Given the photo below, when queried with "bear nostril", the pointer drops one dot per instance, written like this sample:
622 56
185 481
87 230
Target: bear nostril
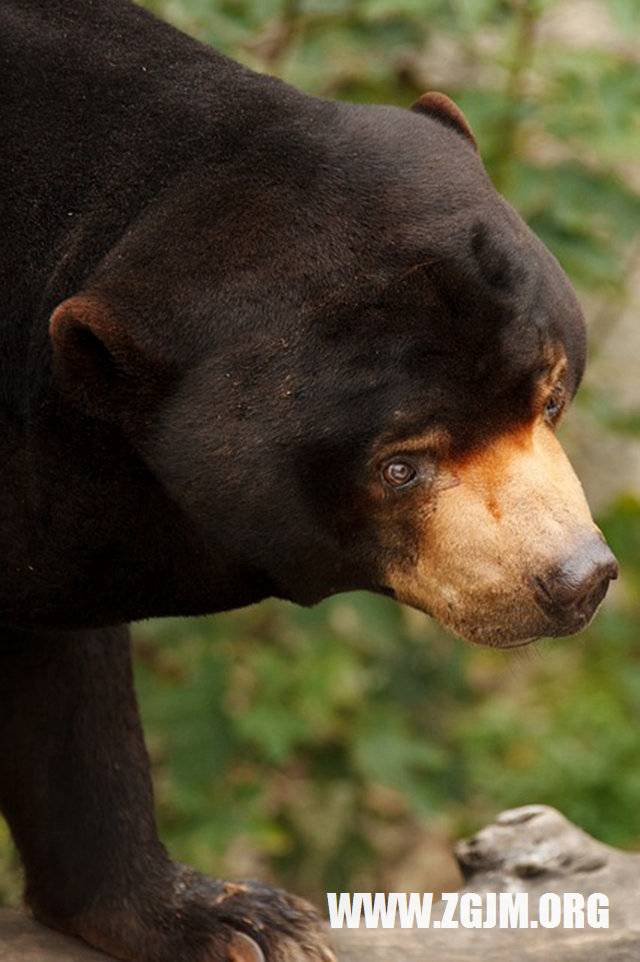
577 586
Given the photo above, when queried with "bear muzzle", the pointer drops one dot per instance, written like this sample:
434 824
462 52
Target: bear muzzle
511 553
570 593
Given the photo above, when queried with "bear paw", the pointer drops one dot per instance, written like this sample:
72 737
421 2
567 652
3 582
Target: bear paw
199 919
262 924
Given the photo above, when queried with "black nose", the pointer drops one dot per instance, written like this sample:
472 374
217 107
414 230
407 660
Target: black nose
571 592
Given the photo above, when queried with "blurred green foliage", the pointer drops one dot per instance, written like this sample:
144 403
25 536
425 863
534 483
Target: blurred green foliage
324 748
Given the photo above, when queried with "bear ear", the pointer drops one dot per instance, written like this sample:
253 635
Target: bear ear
97 365
441 108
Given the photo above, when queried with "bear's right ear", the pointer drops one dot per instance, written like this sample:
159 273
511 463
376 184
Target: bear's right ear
97 365
442 108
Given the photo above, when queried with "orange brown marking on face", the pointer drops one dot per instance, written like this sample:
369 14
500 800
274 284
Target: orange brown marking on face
494 508
518 508
557 371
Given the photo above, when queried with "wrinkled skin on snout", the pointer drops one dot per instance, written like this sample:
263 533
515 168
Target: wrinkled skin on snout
370 385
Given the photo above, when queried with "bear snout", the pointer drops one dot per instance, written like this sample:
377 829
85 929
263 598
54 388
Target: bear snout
570 593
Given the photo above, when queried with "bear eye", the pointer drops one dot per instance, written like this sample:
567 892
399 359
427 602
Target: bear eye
398 474
554 404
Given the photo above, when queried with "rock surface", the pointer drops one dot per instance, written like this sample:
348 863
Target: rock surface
532 849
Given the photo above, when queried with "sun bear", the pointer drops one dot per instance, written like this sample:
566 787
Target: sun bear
253 343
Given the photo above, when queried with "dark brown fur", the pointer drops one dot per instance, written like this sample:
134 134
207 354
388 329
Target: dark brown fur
225 308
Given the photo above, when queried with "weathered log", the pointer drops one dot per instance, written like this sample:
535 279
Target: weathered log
532 849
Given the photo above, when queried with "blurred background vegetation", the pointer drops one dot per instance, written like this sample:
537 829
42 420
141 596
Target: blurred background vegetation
345 746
